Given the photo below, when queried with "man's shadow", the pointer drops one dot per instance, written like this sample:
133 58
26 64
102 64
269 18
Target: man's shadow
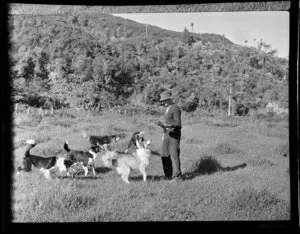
207 166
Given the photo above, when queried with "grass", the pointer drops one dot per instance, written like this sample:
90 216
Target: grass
233 170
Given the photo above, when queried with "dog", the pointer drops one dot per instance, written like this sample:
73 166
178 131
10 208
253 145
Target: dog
46 164
86 158
102 140
135 137
123 163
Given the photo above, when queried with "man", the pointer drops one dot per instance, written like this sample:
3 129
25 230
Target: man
171 138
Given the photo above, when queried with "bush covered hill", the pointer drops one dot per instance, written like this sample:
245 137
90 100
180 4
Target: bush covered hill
95 60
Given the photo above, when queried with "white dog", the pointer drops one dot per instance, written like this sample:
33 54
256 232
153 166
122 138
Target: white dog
123 163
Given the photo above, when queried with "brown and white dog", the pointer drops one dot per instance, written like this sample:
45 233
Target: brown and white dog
46 165
102 140
87 159
123 163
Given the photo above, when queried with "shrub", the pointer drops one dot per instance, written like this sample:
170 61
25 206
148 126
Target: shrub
206 165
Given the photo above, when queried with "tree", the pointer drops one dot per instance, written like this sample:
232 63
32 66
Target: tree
187 38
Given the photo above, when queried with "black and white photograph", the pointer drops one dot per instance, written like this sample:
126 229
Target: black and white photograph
150 113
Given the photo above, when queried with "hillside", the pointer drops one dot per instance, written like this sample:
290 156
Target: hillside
106 61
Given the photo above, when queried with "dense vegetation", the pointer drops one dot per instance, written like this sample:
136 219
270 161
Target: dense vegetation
96 61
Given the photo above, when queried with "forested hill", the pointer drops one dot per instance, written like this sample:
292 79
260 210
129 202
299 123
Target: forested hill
90 59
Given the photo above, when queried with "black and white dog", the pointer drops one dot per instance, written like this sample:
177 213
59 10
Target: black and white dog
87 159
137 136
46 165
103 140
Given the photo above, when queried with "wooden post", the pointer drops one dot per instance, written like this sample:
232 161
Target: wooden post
229 102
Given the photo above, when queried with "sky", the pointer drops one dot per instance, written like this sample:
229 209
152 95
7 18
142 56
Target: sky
270 26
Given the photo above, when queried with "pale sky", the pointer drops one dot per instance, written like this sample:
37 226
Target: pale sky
270 26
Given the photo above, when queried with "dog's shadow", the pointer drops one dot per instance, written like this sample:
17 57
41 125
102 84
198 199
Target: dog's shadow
155 153
80 175
102 170
149 178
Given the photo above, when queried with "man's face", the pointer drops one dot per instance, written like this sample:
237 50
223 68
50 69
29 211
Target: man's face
166 103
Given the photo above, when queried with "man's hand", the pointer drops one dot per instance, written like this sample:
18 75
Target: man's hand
160 124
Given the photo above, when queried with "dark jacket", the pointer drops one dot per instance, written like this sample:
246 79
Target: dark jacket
173 121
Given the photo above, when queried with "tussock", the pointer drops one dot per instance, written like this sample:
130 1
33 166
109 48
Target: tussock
206 165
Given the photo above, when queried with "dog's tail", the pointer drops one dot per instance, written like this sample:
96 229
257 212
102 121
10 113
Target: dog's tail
107 158
85 135
66 147
31 143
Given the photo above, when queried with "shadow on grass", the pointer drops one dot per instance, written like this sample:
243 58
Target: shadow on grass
149 178
208 165
102 170
80 177
155 153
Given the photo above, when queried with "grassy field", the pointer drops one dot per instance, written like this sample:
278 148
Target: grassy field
234 169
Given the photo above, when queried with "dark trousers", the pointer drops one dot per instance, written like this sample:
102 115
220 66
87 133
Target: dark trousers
170 155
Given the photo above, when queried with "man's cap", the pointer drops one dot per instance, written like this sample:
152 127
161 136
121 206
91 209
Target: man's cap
165 96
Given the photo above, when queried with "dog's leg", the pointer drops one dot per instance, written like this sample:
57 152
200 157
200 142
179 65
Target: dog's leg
86 170
125 178
93 168
124 172
46 173
143 171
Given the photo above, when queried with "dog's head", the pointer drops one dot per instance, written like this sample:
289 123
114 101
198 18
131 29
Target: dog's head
96 148
143 144
68 163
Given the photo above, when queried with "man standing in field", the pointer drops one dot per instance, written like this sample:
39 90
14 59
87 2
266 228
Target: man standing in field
171 138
